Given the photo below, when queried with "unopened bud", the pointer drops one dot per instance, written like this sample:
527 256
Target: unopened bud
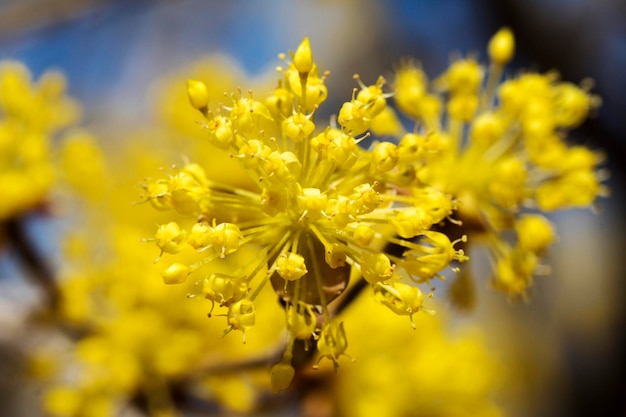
303 58
502 46
198 94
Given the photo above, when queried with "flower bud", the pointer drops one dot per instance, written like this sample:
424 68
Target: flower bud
291 266
198 94
281 376
175 274
303 58
376 267
502 46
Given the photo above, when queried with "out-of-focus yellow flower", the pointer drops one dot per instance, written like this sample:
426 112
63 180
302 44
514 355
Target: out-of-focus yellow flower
198 95
320 206
129 341
502 46
498 147
82 165
134 341
31 113
427 372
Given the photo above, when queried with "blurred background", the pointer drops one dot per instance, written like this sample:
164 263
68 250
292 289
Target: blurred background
113 52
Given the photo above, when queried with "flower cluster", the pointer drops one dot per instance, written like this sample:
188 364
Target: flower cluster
498 146
423 373
30 114
321 207
284 207
114 342
129 350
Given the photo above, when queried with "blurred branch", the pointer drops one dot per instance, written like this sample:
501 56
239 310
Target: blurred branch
39 272
23 15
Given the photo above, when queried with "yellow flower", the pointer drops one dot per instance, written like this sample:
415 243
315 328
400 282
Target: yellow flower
31 113
132 340
502 46
498 147
320 207
198 95
302 58
431 371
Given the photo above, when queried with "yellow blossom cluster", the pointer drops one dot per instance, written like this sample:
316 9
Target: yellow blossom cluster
179 121
498 147
126 339
272 204
320 207
31 113
134 346
431 372
122 338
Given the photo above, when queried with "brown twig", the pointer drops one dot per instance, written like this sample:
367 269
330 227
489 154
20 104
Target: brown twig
17 17
39 272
